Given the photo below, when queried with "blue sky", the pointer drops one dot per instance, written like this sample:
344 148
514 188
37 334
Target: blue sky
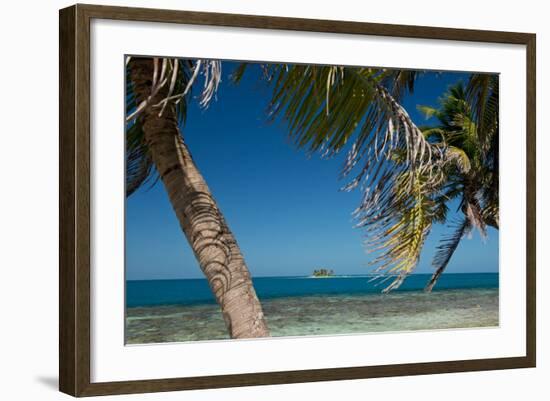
285 209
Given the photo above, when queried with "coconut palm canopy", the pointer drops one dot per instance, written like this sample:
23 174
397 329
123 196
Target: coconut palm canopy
408 175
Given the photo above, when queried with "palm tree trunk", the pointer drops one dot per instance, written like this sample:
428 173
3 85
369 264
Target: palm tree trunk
200 218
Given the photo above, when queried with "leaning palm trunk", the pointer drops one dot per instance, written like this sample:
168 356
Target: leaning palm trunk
200 218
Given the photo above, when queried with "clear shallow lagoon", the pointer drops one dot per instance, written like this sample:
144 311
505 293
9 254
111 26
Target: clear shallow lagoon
184 310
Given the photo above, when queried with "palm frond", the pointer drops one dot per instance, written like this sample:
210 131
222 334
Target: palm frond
473 212
428 111
483 93
399 238
490 189
239 72
330 107
459 158
212 78
490 215
445 251
170 76
139 166
211 71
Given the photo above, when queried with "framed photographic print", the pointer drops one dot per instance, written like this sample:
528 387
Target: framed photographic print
250 200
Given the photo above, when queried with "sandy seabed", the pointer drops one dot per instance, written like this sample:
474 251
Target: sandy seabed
323 315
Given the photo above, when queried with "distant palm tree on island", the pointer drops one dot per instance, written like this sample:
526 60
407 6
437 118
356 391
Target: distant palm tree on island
328 108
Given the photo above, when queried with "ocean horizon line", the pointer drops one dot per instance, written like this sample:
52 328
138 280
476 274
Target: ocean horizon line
311 276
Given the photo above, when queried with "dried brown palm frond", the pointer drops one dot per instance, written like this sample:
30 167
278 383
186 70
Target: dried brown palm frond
174 79
168 75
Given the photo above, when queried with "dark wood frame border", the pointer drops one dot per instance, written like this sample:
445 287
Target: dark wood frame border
74 203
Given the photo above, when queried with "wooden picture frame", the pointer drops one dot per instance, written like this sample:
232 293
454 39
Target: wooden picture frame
74 205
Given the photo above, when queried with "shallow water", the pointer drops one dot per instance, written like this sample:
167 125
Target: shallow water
323 315
197 291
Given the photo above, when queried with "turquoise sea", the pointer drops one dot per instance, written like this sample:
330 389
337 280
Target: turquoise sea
184 310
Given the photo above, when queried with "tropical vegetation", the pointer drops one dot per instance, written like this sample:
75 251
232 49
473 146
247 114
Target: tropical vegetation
473 179
407 175
156 103
323 272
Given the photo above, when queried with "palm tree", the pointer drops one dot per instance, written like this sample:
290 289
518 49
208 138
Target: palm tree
468 175
158 91
474 179
407 175
401 169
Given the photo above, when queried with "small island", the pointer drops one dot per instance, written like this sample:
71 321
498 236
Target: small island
323 273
